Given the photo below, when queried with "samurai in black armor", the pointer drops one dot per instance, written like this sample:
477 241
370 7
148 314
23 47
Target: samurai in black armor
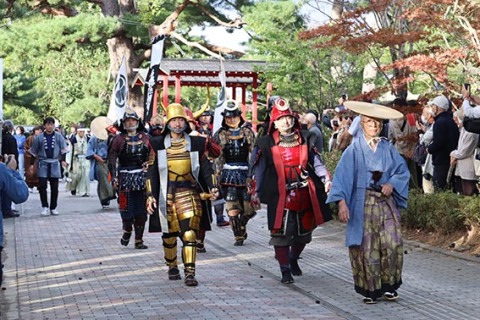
236 141
128 157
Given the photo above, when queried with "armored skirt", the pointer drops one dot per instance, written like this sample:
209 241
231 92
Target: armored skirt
131 195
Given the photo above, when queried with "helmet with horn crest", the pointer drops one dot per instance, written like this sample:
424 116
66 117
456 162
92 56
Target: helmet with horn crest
205 108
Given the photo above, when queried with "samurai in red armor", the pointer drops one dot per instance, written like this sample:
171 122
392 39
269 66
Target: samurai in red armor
128 157
290 177
236 141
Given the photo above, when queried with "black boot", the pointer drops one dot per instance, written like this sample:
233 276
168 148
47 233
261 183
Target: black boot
174 274
125 238
201 247
287 277
296 271
190 280
139 245
127 231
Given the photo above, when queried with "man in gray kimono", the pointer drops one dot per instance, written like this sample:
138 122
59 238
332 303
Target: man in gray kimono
50 149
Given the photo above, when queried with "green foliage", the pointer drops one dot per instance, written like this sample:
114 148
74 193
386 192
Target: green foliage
331 159
470 208
443 212
301 72
66 71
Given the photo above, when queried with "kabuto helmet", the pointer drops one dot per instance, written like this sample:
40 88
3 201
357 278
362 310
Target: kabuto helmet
190 116
131 114
232 110
280 108
175 110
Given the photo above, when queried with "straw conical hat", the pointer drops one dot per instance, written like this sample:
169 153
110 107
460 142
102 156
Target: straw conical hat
373 110
98 126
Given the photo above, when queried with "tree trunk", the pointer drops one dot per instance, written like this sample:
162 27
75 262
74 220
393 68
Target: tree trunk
122 46
369 75
337 9
400 88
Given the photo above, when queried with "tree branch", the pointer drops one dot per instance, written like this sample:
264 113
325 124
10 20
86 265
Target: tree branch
194 44
235 23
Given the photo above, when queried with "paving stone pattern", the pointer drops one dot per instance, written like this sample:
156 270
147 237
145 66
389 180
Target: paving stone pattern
72 266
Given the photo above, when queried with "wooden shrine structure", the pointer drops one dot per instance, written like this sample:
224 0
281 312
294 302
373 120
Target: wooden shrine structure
178 73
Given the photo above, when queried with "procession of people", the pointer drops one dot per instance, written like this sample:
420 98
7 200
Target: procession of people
175 172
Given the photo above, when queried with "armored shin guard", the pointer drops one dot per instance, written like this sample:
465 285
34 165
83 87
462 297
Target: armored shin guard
244 218
239 230
170 249
139 226
189 252
127 231
139 229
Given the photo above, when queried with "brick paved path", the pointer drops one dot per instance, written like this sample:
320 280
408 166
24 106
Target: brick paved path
72 267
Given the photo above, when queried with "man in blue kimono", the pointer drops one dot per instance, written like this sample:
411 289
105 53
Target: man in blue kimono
370 184
13 187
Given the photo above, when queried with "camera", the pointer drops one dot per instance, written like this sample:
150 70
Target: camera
467 87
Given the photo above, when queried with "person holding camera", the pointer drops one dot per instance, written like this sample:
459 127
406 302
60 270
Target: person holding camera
9 147
468 100
13 187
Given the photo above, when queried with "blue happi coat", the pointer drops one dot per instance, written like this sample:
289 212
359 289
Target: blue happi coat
13 187
354 174
49 167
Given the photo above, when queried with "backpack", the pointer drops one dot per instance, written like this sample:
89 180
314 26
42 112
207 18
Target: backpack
471 124
420 154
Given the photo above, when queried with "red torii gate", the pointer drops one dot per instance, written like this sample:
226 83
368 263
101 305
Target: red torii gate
180 73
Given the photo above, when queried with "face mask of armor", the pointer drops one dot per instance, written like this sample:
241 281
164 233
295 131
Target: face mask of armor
177 130
131 128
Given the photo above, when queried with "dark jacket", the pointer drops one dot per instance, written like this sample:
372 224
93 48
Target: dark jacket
445 139
9 144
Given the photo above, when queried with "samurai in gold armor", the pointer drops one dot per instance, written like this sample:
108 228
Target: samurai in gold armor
179 179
